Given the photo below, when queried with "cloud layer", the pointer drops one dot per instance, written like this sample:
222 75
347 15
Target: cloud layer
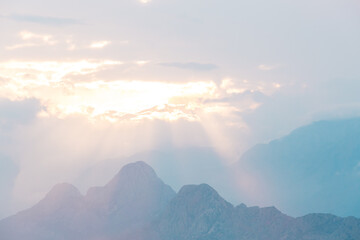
79 85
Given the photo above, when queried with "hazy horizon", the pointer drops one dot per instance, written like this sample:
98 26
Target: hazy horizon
85 85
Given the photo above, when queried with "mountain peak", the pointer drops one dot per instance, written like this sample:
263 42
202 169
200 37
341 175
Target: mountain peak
133 196
139 167
199 210
203 189
61 195
63 190
201 194
133 177
134 173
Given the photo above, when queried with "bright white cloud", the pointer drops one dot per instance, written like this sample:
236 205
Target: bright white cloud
229 86
141 62
24 45
67 88
31 39
99 44
26 35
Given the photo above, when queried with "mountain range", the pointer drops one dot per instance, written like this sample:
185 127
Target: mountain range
136 204
315 168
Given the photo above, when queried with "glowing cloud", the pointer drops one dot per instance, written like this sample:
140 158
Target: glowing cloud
32 40
16 46
141 62
100 44
26 35
67 88
229 86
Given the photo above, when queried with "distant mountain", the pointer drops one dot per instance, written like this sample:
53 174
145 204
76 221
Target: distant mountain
120 209
61 211
137 205
314 168
176 166
198 212
130 200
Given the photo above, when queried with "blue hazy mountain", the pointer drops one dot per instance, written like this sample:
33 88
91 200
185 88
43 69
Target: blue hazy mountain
183 166
137 205
120 209
175 166
316 168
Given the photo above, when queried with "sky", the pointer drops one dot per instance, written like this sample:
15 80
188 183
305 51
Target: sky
82 82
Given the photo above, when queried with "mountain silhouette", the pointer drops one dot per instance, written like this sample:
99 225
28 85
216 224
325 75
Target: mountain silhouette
137 205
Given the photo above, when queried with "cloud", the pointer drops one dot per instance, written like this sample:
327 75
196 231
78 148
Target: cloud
180 40
99 44
22 45
191 66
26 35
265 67
141 62
54 21
33 40
74 88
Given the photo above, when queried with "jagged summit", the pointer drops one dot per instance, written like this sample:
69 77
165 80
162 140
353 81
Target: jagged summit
198 199
137 176
192 188
133 196
201 193
135 171
63 191
197 212
132 174
64 188
138 166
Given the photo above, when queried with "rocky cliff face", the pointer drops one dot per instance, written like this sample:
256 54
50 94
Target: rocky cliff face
137 205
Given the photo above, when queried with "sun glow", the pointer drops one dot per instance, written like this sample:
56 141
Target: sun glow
144 1
67 88
100 44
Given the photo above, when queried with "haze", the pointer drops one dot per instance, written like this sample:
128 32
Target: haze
86 82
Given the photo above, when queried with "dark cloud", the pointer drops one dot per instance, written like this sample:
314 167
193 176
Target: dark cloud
191 66
46 20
